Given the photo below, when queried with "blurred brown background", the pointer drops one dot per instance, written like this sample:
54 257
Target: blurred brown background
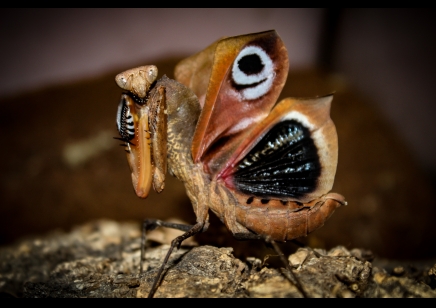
60 166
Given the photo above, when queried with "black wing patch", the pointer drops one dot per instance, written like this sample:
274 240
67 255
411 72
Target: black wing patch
285 163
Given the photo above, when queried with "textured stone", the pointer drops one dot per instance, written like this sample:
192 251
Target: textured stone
101 259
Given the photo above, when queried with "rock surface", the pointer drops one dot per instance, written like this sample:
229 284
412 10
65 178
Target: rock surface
101 259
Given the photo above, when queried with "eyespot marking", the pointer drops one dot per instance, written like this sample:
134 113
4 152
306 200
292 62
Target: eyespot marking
253 72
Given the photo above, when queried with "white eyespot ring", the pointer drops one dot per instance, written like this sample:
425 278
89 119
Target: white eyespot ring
261 82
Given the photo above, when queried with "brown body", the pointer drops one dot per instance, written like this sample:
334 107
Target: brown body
204 127
280 222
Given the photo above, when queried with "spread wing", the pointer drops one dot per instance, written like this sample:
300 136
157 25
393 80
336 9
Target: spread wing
237 81
291 155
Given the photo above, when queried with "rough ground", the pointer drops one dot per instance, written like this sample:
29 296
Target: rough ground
100 259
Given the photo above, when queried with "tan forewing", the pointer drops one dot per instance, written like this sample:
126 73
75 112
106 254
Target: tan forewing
194 71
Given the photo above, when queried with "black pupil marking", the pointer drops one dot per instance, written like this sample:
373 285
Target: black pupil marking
251 64
285 163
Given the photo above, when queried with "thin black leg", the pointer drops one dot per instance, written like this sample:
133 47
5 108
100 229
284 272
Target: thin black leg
197 228
151 224
291 277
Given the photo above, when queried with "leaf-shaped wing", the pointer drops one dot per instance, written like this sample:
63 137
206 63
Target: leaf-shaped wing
237 81
291 155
